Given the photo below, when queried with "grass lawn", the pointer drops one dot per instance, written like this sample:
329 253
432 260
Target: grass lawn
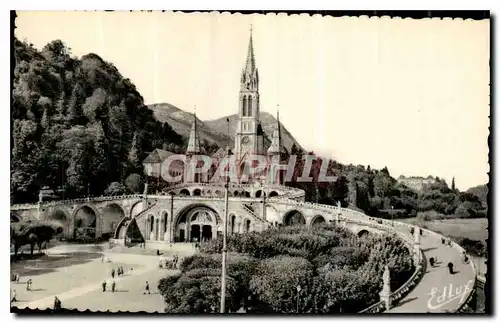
474 229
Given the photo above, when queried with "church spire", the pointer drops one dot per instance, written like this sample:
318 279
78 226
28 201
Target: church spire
250 65
194 142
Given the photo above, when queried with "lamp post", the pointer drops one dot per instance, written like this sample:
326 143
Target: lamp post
392 214
299 288
224 236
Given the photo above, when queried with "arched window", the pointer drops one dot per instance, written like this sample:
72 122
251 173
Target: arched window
245 102
249 109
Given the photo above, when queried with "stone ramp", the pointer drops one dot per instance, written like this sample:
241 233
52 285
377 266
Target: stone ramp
438 291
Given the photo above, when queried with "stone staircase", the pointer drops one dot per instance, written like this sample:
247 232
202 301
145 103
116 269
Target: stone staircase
249 210
124 223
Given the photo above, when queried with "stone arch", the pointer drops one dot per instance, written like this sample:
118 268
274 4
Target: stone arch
318 219
218 193
246 194
248 225
111 217
171 193
85 221
294 217
196 222
165 221
232 223
363 232
209 192
184 192
273 194
258 193
197 192
235 193
61 218
150 225
14 218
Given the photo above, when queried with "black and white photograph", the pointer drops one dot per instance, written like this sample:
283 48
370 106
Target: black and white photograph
231 163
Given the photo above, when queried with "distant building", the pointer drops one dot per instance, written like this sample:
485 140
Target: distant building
416 183
155 164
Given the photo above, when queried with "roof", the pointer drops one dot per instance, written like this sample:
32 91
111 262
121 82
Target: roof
157 156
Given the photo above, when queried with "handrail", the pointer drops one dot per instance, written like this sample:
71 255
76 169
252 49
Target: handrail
129 218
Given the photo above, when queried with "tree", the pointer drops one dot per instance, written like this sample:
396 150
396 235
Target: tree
276 281
115 188
134 183
32 233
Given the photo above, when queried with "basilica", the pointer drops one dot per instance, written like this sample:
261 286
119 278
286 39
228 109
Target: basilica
249 143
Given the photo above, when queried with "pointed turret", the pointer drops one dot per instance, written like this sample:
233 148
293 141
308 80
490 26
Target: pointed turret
193 147
276 147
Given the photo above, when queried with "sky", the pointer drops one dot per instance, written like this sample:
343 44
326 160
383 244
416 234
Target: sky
412 95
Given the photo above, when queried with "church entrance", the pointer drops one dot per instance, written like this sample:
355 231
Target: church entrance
196 224
195 233
206 234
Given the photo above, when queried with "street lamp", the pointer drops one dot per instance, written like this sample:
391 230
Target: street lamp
298 297
392 214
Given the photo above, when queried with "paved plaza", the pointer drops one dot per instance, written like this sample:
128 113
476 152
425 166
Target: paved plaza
79 286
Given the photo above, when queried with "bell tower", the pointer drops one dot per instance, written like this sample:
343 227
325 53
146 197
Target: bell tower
248 138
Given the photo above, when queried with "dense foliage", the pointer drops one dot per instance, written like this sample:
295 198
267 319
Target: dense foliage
32 233
378 194
77 125
336 270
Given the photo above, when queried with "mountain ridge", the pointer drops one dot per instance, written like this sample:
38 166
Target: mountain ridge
215 130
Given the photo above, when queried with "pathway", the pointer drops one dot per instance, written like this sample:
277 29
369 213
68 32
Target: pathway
447 288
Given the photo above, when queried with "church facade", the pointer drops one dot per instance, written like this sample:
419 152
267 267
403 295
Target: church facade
248 142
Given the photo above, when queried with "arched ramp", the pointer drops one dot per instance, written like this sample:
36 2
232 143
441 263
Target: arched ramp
273 194
318 219
363 232
14 218
62 219
85 222
111 217
294 217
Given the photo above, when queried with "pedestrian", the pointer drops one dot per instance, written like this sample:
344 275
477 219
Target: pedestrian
121 269
431 261
28 284
104 286
57 303
450 268
442 240
16 278
102 259
420 231
113 285
13 298
146 289
113 273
